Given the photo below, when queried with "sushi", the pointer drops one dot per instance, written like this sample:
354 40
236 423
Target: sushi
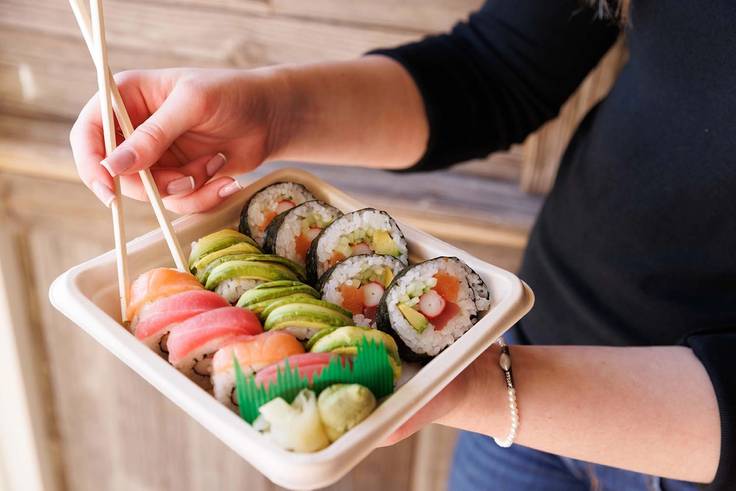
431 304
155 284
308 365
345 340
282 292
216 241
156 319
252 353
266 204
192 343
236 276
201 268
304 317
365 231
357 284
291 233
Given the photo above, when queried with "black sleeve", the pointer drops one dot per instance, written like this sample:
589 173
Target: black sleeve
498 76
716 350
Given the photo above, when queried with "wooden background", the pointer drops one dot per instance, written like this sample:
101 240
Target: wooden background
72 416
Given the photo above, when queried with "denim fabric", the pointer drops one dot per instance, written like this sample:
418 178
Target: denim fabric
479 465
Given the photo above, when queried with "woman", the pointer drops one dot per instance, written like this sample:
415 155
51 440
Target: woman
633 258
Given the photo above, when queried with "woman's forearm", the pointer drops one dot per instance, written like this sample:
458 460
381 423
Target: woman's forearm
650 410
365 112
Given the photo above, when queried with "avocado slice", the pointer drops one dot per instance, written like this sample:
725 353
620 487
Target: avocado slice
315 313
216 241
383 243
298 298
259 295
415 318
248 269
200 265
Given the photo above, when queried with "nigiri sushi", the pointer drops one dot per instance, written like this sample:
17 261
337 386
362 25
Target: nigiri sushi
252 353
192 343
155 284
155 320
308 365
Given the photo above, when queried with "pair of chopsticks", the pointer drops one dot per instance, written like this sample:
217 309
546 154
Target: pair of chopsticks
93 32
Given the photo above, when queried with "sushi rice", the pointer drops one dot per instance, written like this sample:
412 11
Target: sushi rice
264 204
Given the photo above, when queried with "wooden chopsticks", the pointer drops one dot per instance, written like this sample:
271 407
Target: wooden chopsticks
93 32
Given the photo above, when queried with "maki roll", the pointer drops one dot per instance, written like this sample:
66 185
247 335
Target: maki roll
291 233
155 320
275 293
192 343
238 274
252 353
304 317
365 231
155 284
263 206
357 284
224 239
431 304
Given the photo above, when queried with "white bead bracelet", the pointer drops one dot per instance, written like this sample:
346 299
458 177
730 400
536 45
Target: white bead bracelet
504 362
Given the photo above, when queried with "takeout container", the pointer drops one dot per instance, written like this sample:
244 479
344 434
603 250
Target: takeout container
87 294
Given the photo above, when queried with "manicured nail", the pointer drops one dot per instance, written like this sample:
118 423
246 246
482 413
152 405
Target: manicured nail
180 185
120 160
103 193
229 189
215 164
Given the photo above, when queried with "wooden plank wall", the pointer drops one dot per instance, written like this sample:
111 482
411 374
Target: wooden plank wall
103 427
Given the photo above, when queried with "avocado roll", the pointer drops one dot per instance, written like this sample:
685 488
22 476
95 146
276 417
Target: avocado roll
431 304
366 231
266 296
263 206
291 233
217 241
233 278
305 316
357 284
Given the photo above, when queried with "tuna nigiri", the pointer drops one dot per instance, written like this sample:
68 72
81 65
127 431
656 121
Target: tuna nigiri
192 343
158 283
252 353
155 320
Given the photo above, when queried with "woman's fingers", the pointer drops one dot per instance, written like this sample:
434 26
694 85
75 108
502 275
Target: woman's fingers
152 138
208 196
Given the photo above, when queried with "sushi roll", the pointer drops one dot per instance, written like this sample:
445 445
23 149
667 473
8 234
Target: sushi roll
192 343
202 267
308 365
357 284
431 304
236 276
365 231
252 353
263 206
155 284
216 241
155 320
304 317
264 295
291 233
345 340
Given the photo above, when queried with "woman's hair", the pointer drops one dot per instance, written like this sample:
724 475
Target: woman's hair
611 9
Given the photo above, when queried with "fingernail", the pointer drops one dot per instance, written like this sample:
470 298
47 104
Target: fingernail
120 160
215 164
229 189
180 185
103 193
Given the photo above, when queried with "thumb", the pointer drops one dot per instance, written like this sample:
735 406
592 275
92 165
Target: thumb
152 138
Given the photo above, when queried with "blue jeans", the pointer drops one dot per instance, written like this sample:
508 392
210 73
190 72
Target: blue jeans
479 465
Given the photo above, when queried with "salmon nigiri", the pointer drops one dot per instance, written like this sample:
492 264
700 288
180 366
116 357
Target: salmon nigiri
252 353
155 320
192 343
158 283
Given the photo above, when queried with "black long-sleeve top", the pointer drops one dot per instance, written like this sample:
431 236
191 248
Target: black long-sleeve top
636 243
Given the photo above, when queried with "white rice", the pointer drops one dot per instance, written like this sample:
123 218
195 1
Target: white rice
349 270
361 219
267 199
429 341
291 227
233 288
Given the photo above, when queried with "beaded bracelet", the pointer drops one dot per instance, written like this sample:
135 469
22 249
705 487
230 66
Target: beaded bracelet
504 362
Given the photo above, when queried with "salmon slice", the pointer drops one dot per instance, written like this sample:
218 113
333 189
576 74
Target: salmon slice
158 283
256 352
447 286
352 299
166 311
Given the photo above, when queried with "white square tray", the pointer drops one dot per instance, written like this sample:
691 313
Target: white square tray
87 295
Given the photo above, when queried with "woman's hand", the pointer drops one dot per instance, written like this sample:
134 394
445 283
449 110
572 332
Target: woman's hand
194 128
